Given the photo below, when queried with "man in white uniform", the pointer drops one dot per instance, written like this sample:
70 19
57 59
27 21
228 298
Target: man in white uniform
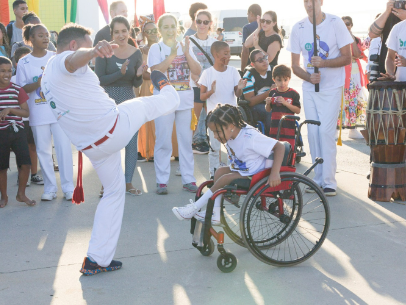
333 46
100 129
396 58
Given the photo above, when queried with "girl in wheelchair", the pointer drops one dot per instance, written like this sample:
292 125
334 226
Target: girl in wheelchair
249 152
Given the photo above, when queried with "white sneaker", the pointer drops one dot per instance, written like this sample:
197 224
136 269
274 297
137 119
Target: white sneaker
48 196
68 195
186 212
222 164
215 219
177 173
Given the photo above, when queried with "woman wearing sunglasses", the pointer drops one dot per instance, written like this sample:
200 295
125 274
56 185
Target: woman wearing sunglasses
178 61
268 40
201 45
354 91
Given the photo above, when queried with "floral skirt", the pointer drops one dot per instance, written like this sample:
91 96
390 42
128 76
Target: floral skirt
355 101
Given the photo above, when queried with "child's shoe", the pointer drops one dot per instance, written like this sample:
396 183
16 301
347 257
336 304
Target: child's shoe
215 218
161 189
186 212
190 187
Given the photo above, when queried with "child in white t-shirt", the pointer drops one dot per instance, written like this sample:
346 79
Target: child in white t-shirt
248 152
220 84
396 59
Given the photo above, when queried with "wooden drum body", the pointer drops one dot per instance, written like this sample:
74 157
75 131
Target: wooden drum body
385 133
387 181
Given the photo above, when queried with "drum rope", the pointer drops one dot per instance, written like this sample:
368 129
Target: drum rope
399 112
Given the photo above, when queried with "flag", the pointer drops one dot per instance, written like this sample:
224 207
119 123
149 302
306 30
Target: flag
136 23
104 8
73 10
4 12
33 5
159 8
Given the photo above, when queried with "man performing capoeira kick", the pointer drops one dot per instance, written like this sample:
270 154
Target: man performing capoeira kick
100 129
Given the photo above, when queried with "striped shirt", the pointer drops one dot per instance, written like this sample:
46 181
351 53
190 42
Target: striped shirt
12 97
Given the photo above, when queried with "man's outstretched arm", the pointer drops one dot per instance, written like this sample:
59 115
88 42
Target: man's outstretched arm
82 56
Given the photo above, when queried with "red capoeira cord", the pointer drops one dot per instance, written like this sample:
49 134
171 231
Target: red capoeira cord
78 193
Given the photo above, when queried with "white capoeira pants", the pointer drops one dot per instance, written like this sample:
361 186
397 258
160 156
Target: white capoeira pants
43 135
323 107
106 160
163 146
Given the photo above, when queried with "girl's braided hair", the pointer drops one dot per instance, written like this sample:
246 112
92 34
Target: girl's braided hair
224 115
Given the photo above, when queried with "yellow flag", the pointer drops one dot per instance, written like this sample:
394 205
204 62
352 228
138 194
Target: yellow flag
339 141
33 5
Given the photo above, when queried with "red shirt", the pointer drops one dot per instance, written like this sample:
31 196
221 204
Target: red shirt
12 97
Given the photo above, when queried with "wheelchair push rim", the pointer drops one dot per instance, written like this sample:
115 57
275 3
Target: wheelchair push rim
307 229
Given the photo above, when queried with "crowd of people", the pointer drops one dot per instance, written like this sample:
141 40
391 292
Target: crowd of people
49 96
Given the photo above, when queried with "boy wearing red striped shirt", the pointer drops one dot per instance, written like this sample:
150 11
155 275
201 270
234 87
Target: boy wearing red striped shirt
13 106
283 101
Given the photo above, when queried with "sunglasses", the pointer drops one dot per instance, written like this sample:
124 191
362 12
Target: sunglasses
262 59
348 24
152 31
266 21
205 22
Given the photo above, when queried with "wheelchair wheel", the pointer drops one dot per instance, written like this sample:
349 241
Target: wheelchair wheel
284 224
226 262
230 218
291 237
209 250
299 154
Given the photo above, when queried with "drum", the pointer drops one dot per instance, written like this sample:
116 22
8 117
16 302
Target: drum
386 120
385 133
387 181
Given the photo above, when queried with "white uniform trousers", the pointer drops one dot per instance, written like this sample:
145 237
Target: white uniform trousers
163 146
43 135
214 153
323 107
106 160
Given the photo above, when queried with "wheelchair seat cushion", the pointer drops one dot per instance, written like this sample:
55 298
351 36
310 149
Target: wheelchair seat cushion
241 184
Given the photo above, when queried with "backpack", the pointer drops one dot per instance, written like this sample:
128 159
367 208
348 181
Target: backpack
10 31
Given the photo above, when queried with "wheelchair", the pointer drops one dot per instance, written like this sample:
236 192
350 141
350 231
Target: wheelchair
250 118
280 226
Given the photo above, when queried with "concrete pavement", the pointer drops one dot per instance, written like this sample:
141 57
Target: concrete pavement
42 248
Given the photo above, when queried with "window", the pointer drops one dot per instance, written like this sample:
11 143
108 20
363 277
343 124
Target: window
234 24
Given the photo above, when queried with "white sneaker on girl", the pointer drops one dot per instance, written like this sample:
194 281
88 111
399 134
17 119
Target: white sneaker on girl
186 212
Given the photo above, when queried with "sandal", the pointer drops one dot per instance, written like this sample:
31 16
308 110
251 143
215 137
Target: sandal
137 192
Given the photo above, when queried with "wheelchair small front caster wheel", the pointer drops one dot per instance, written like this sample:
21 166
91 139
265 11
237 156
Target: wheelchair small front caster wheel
209 250
227 262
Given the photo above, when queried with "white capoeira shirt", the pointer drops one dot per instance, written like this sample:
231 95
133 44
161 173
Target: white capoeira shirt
249 151
397 42
83 109
332 35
